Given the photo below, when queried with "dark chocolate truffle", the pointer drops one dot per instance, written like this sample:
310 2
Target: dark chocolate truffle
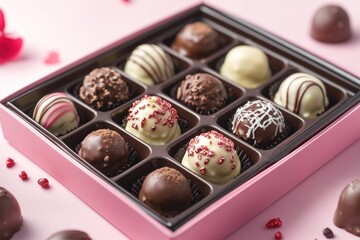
347 214
166 191
331 24
103 88
196 40
70 235
202 91
10 215
106 150
258 121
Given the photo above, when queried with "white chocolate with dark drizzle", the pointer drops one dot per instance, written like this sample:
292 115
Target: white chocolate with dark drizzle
149 64
302 94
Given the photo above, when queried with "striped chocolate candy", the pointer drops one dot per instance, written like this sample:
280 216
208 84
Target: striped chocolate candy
57 113
302 94
149 64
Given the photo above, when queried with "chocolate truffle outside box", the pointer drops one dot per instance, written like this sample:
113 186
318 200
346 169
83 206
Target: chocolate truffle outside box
273 174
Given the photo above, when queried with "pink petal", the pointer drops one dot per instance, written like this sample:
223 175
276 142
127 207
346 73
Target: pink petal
2 21
9 48
52 58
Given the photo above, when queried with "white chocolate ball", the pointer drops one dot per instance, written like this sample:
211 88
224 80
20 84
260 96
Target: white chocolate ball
247 66
302 94
213 157
153 120
149 64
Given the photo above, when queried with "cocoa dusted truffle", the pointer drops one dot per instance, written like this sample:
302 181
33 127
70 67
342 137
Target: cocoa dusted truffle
166 191
212 156
331 24
302 94
69 235
106 150
153 120
10 215
347 214
103 88
150 64
196 40
57 113
202 91
258 122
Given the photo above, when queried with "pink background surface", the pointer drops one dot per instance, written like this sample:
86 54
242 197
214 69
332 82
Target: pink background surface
77 28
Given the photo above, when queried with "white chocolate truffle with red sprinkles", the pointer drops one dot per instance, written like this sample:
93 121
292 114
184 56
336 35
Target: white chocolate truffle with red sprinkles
57 113
153 120
213 157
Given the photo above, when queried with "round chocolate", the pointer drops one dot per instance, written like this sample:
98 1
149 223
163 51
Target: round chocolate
258 121
153 120
70 235
10 215
302 94
103 88
331 24
247 66
347 214
166 191
106 150
196 40
212 156
150 64
57 113
202 91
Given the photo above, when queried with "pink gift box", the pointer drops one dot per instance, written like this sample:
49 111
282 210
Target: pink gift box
301 154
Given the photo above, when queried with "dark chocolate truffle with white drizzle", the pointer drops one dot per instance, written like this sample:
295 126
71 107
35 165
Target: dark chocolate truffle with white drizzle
258 121
10 215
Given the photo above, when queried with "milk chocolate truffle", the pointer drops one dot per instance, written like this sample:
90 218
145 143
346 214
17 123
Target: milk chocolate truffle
212 156
149 64
153 120
247 66
10 215
106 150
347 213
103 88
258 121
302 94
202 91
166 191
70 235
57 113
196 40
331 24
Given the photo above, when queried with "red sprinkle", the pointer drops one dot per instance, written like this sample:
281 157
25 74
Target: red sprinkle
274 223
43 182
10 163
278 235
52 58
23 175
